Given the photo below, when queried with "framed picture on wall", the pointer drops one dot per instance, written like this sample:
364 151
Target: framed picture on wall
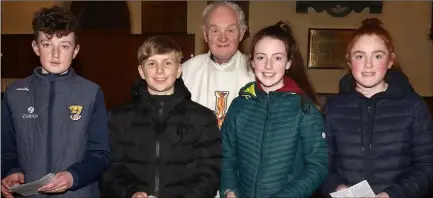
327 48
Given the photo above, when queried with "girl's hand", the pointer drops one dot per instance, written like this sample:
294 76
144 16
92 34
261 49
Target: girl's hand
230 195
341 187
383 195
139 195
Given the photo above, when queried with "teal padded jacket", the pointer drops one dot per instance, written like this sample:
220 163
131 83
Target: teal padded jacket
273 146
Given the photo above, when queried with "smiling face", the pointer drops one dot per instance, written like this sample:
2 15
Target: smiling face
55 54
223 33
160 72
369 60
270 63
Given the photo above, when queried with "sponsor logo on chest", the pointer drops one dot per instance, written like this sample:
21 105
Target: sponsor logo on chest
30 113
74 112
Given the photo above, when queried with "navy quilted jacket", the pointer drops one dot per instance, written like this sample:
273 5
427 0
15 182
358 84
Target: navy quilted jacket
53 123
271 147
386 139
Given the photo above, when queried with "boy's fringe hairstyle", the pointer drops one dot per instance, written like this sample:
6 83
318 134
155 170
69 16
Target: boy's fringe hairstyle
159 45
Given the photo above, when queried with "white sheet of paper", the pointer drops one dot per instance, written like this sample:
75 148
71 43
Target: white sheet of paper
361 189
31 188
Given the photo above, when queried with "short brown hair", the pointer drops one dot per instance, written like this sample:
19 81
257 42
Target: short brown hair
54 21
159 45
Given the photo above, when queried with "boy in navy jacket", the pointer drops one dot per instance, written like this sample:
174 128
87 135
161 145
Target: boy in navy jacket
54 121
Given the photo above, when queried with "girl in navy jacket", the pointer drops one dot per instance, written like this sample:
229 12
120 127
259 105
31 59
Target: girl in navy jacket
378 128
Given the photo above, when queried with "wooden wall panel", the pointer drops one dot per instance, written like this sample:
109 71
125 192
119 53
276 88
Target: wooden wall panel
108 15
108 59
164 16
18 58
431 23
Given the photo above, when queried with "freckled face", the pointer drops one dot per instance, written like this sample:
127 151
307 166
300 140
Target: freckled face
369 60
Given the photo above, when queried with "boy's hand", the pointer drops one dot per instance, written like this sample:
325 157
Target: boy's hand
62 182
139 195
9 181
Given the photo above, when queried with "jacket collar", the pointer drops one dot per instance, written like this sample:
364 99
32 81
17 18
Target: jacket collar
398 85
53 77
142 97
251 90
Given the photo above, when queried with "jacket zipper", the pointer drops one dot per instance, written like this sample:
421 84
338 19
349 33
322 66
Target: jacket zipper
371 107
50 127
262 144
49 123
157 150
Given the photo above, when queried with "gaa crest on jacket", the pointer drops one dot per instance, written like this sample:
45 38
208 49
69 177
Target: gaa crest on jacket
75 112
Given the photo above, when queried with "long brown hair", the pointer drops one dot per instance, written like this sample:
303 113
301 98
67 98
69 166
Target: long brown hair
283 32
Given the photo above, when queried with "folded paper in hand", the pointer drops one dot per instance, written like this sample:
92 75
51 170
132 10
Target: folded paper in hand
32 187
361 189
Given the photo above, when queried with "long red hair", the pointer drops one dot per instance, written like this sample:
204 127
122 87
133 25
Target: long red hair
373 26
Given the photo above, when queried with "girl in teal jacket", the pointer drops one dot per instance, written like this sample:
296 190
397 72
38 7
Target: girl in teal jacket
273 136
